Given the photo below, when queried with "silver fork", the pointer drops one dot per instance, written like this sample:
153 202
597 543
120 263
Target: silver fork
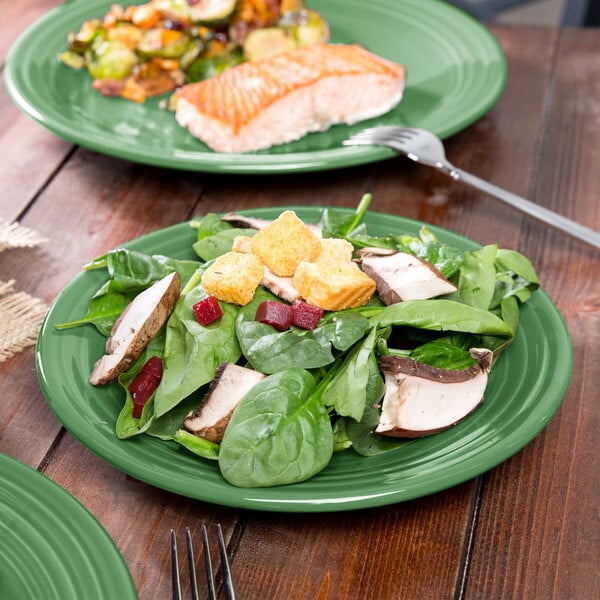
210 578
425 147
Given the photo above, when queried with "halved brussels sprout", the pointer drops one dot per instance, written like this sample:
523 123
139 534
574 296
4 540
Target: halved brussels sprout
165 43
112 60
212 12
261 43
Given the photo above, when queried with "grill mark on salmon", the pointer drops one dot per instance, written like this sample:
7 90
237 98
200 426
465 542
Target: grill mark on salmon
256 105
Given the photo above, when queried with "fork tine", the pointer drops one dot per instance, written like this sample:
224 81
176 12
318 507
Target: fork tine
176 583
191 563
210 580
227 579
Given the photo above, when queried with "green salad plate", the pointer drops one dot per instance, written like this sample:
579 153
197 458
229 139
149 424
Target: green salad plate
525 389
52 547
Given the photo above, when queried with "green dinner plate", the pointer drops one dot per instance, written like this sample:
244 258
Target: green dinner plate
525 389
456 71
51 546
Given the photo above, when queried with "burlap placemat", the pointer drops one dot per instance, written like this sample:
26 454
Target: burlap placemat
20 314
14 235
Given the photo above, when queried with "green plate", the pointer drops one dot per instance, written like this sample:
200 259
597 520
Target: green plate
525 388
52 547
456 71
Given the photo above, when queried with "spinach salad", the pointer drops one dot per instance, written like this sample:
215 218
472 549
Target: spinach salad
323 387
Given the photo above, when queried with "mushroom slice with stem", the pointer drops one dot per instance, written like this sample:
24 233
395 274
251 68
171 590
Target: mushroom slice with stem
138 324
420 399
403 276
230 384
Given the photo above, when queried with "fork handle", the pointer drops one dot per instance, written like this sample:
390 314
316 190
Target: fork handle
573 228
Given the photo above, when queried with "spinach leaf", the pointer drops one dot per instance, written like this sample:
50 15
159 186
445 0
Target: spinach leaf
335 223
477 277
133 271
280 433
193 351
213 246
441 315
341 329
130 272
347 390
197 445
103 310
444 354
269 350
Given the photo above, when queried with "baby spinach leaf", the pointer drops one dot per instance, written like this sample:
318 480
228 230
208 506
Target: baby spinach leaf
335 223
211 247
197 445
193 351
477 277
442 315
342 330
133 271
280 433
347 391
442 353
103 311
269 350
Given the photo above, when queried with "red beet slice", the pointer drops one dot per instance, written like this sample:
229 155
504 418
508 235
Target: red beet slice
207 310
274 313
144 384
305 315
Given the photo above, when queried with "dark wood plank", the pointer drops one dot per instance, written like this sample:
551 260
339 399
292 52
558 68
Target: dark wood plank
535 535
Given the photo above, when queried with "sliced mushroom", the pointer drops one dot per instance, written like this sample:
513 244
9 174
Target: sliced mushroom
420 399
137 325
404 276
280 286
230 385
238 220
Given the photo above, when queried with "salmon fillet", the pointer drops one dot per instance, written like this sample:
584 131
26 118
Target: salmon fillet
256 105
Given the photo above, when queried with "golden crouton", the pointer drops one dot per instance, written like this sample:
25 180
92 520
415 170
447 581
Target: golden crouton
241 243
285 243
335 250
333 286
233 277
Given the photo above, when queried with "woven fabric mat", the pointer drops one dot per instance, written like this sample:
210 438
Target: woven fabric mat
20 314
14 235
20 318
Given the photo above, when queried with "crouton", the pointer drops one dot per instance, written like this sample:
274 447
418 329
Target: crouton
233 277
285 243
333 286
335 250
241 243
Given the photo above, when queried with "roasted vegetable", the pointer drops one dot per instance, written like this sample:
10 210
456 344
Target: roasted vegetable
200 38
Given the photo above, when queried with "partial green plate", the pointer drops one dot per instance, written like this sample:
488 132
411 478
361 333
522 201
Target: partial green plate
52 547
524 391
456 72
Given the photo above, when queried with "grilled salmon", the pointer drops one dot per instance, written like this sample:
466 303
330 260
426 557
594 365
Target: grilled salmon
281 98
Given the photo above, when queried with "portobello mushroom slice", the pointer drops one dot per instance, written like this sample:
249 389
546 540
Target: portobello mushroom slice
230 384
403 276
420 399
138 324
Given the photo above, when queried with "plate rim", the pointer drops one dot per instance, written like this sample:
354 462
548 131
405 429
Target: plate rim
258 498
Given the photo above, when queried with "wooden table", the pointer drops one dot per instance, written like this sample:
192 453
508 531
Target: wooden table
526 529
